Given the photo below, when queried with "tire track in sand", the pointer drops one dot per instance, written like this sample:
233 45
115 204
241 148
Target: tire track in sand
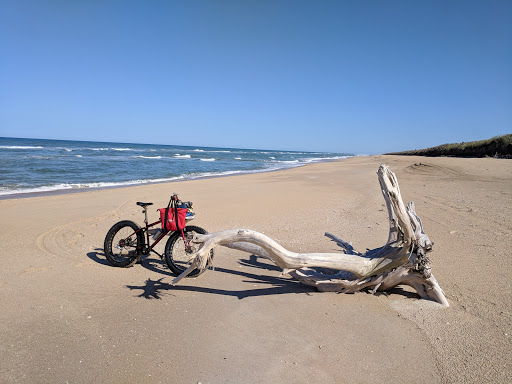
73 240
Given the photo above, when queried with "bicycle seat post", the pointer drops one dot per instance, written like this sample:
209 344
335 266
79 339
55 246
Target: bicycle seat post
145 210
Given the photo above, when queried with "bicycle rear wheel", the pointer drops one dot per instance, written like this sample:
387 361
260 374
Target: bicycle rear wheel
123 244
177 256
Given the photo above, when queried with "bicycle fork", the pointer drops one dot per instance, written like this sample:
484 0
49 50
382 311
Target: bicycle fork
186 241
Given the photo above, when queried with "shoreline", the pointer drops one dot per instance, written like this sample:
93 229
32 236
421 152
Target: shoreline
34 168
64 191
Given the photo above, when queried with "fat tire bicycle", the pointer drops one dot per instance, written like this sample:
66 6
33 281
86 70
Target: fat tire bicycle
126 242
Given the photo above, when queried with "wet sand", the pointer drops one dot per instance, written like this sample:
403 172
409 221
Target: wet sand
67 316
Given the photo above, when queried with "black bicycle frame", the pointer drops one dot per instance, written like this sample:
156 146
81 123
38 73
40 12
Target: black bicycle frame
146 248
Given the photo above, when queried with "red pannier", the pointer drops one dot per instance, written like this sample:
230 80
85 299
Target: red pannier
170 225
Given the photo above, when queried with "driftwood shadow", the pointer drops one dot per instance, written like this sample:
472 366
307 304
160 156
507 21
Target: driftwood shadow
397 291
274 285
154 289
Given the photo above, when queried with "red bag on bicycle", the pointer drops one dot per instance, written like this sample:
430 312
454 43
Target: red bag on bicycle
171 222
168 216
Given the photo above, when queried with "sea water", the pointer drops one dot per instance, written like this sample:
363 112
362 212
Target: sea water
29 166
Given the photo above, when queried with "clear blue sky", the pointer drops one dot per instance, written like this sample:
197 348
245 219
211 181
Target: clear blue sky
344 76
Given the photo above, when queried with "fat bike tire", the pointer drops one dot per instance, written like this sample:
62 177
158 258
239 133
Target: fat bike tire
123 244
177 257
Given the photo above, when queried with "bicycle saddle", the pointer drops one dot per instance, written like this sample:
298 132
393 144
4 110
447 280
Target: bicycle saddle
143 205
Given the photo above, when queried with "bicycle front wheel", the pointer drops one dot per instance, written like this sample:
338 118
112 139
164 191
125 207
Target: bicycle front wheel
123 244
179 257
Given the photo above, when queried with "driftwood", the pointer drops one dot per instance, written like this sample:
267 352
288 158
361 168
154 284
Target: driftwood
402 260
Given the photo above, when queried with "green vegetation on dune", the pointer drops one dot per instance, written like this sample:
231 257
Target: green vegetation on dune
499 146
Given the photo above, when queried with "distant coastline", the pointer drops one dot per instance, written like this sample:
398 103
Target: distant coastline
497 147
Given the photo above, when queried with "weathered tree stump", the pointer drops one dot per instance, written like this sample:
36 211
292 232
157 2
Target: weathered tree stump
402 260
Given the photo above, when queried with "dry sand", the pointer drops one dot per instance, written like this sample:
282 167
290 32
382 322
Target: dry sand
67 316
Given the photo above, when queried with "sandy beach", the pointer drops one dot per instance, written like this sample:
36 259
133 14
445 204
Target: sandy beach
68 316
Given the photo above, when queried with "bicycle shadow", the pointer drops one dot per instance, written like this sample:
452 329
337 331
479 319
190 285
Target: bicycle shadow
98 256
95 256
155 265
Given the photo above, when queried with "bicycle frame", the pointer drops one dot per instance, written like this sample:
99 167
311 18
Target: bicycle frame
147 247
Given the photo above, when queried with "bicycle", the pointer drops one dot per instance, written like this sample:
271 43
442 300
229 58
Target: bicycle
126 242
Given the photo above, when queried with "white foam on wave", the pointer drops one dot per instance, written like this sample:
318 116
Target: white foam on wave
78 156
20 147
178 156
148 157
217 174
111 149
311 160
320 159
288 161
212 159
71 186
238 158
272 157
198 150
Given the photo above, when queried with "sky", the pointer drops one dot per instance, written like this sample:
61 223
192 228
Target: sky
336 76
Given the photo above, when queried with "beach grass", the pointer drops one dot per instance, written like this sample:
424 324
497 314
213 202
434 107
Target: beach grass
497 147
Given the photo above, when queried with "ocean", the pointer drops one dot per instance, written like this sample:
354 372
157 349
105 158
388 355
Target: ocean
31 166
